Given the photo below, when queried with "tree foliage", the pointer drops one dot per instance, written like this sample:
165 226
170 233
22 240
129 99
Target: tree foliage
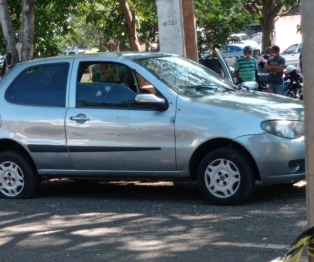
90 23
217 19
269 11
51 23
109 18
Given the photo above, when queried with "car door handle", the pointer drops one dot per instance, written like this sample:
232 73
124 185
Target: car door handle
79 118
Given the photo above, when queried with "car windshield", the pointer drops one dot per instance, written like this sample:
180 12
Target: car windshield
186 77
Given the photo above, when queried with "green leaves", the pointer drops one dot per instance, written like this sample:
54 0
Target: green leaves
218 19
89 23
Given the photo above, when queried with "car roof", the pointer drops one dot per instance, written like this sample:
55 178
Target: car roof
239 45
238 34
132 55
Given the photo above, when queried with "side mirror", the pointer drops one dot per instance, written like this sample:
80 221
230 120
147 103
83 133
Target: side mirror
249 85
151 100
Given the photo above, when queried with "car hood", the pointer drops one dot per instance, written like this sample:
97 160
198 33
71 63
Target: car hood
264 105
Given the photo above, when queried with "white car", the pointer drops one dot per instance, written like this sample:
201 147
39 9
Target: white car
292 54
232 52
236 38
70 52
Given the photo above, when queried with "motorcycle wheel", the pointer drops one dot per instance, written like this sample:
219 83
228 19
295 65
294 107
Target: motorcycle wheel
290 93
300 94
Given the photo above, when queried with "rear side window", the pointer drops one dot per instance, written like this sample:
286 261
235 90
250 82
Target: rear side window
42 85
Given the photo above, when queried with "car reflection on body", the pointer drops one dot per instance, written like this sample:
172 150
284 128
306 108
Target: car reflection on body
150 116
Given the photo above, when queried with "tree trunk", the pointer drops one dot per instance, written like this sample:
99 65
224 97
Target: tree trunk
269 10
26 37
130 20
268 39
8 34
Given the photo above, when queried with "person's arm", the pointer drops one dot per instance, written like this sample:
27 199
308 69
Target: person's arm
236 71
274 69
93 73
236 74
268 67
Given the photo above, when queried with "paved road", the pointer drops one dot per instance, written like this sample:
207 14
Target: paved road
148 222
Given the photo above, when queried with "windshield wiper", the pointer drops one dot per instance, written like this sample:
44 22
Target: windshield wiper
200 87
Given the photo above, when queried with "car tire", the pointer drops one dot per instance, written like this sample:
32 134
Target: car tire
18 178
225 177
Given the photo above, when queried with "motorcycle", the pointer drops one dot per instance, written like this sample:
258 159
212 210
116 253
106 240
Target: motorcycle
248 85
293 83
262 77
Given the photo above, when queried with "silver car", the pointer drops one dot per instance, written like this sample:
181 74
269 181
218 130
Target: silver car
143 116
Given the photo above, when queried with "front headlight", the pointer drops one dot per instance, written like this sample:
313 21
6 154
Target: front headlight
284 128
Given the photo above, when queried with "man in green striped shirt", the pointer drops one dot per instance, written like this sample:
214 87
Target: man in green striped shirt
246 67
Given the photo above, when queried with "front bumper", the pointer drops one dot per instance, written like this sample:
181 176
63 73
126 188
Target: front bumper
278 160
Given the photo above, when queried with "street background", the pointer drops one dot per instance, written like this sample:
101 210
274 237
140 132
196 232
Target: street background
133 221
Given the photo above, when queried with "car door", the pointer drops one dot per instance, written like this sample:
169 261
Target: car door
107 131
225 66
39 91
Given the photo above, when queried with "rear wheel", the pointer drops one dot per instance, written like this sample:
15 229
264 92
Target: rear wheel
18 178
300 93
225 177
290 93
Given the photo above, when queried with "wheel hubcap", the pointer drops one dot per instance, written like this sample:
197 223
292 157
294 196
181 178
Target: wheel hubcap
222 178
11 179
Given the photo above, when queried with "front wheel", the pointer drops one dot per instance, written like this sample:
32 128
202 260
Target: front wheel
225 177
290 94
300 93
18 177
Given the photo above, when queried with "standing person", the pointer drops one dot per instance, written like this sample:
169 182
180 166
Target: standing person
257 55
265 56
212 62
274 66
246 67
122 72
112 45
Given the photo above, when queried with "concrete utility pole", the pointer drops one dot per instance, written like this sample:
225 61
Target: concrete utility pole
307 10
177 29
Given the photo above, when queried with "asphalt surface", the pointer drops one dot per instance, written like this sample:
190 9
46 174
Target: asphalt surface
151 222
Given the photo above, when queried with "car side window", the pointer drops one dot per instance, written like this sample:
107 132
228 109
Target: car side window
105 72
105 85
104 95
145 86
232 49
41 85
291 49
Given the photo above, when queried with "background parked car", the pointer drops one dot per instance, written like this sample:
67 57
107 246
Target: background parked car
232 52
258 37
292 54
70 52
237 38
